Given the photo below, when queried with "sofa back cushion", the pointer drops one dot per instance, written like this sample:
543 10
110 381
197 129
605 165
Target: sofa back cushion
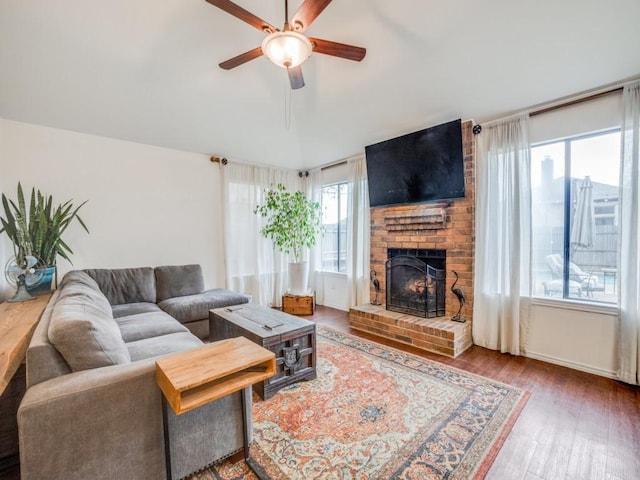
83 330
78 277
126 285
44 361
178 281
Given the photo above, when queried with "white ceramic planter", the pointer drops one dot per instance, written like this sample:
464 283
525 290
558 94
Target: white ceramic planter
298 278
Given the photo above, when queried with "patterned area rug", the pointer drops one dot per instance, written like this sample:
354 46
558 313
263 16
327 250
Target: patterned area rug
378 413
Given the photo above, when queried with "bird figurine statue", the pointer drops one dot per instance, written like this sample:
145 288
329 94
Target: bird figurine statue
376 286
460 294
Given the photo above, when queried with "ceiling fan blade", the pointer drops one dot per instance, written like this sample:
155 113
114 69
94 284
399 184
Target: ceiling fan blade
307 13
295 77
242 58
338 49
244 15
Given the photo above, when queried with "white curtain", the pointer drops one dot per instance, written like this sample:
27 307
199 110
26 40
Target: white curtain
252 265
314 192
358 232
628 251
503 235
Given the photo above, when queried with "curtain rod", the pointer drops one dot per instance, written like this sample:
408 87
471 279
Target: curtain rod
344 161
220 160
575 101
331 165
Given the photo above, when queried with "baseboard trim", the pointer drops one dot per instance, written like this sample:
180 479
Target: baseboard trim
574 365
337 307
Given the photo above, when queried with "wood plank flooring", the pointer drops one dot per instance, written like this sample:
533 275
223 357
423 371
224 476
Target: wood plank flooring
575 426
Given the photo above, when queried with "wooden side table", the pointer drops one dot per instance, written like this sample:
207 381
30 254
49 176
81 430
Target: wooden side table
194 378
17 323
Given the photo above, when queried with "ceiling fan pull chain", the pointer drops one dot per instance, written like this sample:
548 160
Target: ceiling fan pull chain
287 107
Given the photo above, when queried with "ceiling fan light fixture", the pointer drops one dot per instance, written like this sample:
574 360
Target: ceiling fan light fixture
287 49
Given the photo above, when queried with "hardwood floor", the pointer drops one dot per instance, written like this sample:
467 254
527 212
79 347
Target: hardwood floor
575 426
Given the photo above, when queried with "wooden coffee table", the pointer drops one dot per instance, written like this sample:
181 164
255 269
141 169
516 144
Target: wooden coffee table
291 339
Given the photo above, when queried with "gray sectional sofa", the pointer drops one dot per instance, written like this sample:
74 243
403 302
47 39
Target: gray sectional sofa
92 407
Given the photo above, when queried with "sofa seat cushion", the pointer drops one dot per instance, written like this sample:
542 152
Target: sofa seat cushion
148 325
178 281
196 307
127 309
83 330
162 345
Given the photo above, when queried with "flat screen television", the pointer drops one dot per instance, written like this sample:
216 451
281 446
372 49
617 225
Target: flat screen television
420 167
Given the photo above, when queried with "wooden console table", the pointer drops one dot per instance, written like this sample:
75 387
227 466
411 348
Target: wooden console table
17 323
196 377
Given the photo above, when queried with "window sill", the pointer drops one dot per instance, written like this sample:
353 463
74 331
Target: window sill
591 307
329 273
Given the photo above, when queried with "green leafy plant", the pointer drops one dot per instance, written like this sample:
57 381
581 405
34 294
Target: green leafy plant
38 231
293 221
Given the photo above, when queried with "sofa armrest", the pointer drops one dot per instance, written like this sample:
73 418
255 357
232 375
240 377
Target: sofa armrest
107 423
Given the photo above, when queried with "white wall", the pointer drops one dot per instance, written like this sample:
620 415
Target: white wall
147 205
5 290
335 290
578 336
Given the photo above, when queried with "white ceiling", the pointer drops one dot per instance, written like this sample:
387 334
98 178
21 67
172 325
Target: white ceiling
146 70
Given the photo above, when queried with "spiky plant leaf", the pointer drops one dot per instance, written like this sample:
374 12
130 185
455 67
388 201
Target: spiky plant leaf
38 231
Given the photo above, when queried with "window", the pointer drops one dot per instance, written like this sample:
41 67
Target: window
334 219
575 185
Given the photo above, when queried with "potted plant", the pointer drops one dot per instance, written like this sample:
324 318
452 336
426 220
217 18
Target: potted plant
37 231
292 223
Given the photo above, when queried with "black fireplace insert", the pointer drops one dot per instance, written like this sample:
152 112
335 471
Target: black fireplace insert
415 281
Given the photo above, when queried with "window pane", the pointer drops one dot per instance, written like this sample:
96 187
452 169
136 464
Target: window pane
585 226
547 182
334 219
595 170
342 253
330 222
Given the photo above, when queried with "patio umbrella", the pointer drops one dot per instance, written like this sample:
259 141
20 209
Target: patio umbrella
583 218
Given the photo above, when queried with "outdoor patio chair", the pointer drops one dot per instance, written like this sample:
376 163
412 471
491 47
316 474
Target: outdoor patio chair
553 288
588 281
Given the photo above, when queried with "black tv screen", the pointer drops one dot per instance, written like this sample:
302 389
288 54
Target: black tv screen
420 167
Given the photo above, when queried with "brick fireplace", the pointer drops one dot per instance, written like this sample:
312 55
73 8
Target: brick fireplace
445 227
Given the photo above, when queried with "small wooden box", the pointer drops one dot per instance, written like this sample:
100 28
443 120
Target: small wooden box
298 304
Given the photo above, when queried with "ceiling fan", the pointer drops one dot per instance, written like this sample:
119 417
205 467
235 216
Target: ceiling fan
288 48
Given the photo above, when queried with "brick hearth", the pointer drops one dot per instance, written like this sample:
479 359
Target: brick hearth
438 335
448 225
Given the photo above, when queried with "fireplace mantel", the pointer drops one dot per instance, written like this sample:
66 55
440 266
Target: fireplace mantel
418 219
